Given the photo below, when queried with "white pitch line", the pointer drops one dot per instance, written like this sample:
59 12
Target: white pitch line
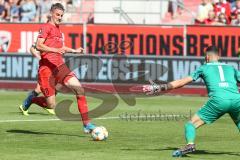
100 118
47 120
28 120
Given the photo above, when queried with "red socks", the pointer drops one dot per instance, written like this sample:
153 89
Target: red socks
82 106
41 101
83 109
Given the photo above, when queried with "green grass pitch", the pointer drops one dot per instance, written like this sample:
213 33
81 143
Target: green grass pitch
43 138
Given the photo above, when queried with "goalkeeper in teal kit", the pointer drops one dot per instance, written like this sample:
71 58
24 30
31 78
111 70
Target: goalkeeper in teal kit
221 82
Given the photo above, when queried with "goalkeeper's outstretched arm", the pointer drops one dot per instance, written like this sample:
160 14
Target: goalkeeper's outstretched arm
179 83
154 88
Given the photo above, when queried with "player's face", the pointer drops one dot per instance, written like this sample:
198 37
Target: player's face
57 15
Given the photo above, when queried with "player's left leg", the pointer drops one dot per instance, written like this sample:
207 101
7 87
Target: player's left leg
28 101
190 128
46 83
190 135
73 84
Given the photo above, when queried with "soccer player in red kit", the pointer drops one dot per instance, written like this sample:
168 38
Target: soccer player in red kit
53 70
24 107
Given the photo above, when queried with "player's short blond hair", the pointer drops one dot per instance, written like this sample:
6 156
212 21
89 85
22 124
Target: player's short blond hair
57 6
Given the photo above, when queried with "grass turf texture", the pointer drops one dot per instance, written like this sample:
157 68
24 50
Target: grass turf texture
129 139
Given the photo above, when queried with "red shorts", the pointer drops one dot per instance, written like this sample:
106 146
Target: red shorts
48 79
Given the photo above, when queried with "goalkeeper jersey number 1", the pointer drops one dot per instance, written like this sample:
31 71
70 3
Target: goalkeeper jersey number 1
220 79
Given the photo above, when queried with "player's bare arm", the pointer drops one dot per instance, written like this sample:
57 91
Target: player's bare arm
44 48
154 88
76 51
179 83
35 52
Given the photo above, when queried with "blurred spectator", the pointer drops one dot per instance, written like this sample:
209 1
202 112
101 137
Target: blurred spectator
232 3
233 16
69 2
236 8
76 3
176 7
222 7
236 22
35 10
2 11
203 10
211 20
222 19
7 6
14 12
44 8
27 11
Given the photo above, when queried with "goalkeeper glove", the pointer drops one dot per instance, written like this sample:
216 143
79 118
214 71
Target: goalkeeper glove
154 88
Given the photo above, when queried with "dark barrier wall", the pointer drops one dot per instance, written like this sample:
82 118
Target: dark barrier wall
130 39
109 69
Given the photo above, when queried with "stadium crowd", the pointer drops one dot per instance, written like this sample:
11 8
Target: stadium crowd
210 12
218 12
30 10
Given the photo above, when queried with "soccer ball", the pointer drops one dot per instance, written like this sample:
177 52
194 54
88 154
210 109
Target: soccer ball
99 133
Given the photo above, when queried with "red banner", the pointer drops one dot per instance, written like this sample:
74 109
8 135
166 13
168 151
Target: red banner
20 37
226 38
143 40
129 39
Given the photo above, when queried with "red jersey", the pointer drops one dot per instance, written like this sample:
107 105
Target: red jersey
235 11
208 21
222 8
53 38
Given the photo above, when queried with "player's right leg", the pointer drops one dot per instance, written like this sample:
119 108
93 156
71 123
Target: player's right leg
235 111
75 86
28 101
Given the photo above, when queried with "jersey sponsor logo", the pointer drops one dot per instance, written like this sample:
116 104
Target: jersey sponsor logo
5 40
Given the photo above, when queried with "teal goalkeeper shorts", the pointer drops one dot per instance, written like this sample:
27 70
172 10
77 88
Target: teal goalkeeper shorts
217 107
